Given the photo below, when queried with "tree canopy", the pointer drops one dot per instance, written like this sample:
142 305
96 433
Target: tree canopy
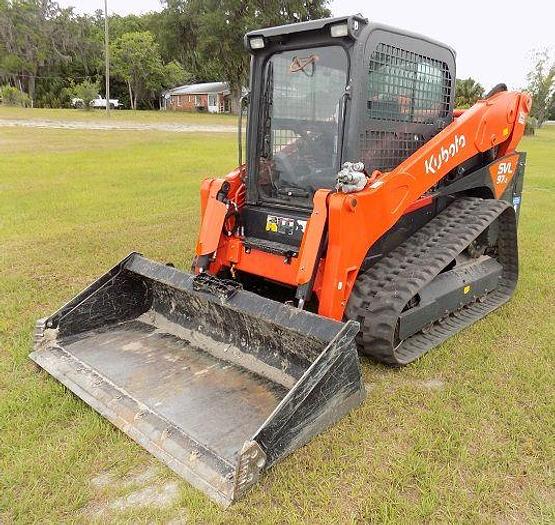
541 85
46 49
137 61
467 92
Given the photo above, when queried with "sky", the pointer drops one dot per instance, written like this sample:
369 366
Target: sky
492 38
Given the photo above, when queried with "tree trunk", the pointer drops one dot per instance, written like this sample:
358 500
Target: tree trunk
235 106
541 117
31 88
130 95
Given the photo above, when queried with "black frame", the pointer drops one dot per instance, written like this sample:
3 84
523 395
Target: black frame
379 34
316 38
361 41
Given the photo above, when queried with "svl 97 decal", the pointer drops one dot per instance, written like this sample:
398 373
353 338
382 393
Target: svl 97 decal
502 172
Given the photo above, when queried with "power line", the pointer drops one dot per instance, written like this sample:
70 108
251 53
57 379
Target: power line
50 77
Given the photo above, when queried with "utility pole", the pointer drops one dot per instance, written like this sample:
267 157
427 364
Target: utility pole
107 57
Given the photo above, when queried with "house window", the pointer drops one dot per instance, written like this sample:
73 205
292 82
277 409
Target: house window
212 100
197 100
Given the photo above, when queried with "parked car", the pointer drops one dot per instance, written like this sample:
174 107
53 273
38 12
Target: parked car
97 102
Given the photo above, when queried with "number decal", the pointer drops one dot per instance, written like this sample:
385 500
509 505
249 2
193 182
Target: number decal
502 172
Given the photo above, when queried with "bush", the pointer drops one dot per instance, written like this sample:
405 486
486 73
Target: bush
11 96
531 125
52 93
86 91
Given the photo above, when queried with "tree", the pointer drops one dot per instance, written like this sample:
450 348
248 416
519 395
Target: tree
218 26
136 60
541 84
174 74
11 96
45 49
551 115
467 92
38 39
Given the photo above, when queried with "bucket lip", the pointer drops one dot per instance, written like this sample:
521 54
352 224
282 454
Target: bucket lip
288 317
49 356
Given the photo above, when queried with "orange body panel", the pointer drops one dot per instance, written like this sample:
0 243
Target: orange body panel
213 217
486 124
356 221
312 237
502 172
257 262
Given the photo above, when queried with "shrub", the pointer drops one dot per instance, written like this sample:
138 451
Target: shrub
86 91
531 125
11 96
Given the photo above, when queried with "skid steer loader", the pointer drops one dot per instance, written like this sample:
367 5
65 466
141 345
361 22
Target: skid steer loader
369 215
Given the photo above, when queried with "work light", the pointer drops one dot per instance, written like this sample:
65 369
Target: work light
256 42
339 30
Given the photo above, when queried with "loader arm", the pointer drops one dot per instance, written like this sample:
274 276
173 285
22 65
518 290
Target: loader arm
364 217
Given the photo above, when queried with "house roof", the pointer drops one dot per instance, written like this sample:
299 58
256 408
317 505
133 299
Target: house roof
200 89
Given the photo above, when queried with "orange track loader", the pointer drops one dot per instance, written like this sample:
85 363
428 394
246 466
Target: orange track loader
370 216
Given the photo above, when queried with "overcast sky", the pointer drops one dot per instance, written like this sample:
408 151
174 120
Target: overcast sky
492 38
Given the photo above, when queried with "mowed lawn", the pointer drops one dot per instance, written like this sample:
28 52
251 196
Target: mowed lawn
464 435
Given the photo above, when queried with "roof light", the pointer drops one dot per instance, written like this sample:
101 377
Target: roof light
256 42
339 30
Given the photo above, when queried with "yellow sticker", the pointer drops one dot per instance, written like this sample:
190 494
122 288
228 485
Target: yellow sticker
271 224
505 132
466 289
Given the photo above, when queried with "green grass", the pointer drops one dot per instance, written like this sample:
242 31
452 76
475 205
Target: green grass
465 435
120 115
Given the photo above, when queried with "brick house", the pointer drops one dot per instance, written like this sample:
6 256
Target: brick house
213 97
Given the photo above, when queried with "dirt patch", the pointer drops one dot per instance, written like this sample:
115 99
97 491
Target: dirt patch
180 519
110 126
103 480
139 489
433 384
152 495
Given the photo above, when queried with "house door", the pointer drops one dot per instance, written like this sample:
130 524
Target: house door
213 103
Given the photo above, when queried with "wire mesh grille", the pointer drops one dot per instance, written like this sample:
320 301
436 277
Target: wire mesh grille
383 150
405 86
413 93
282 138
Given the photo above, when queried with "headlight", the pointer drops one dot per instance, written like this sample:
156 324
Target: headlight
256 42
339 30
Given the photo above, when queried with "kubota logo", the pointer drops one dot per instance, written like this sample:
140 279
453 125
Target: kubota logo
437 160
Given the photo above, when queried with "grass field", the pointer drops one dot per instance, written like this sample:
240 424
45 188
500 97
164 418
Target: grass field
464 435
120 115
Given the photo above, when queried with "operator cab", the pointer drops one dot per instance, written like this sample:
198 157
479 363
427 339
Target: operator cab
329 91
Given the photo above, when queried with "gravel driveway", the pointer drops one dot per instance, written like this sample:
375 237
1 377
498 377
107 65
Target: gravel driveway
109 126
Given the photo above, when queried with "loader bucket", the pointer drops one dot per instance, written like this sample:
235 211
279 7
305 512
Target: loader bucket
216 382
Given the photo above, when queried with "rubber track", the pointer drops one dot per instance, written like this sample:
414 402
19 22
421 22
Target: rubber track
381 293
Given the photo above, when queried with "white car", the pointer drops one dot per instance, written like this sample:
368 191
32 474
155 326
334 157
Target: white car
97 102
